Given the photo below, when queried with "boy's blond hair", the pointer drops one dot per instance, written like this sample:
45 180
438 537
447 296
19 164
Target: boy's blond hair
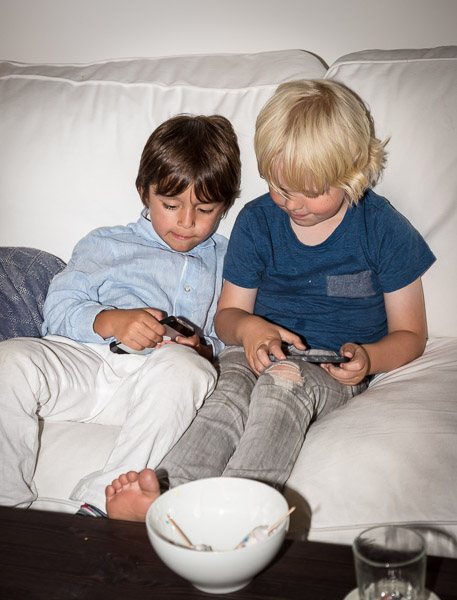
316 134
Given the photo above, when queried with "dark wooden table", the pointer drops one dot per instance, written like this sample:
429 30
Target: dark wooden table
53 556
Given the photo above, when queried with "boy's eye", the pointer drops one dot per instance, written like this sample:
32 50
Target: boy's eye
284 193
169 206
206 211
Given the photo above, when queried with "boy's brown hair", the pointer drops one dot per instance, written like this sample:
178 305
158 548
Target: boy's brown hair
187 150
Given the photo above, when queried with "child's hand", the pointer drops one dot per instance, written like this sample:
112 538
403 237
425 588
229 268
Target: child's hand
137 328
354 371
195 343
264 338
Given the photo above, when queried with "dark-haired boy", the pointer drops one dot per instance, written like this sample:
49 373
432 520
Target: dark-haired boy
119 283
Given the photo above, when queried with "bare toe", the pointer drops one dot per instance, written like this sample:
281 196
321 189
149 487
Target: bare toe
110 491
132 476
123 479
116 485
130 496
148 481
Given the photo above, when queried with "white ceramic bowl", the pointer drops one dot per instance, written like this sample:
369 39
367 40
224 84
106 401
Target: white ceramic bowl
218 512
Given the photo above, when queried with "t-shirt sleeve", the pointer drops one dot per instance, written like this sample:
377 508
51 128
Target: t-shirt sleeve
402 253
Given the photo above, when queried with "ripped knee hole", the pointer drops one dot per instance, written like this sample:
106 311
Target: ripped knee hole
286 370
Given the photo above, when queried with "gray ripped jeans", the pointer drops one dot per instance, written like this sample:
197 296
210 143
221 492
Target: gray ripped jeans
253 426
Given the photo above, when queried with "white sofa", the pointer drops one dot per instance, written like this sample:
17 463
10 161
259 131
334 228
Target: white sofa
70 141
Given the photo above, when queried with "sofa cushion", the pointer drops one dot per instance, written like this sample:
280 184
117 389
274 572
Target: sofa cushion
413 98
78 131
387 456
25 275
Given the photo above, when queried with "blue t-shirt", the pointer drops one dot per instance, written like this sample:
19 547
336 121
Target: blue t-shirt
330 293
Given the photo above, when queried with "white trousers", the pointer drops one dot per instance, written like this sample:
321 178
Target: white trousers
153 398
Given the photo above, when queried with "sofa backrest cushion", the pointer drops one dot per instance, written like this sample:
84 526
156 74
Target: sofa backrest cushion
413 98
71 136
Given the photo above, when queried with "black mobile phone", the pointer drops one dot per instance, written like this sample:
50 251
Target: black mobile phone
323 358
119 348
315 358
175 326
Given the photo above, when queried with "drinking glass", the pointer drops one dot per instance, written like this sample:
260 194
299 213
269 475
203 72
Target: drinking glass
390 564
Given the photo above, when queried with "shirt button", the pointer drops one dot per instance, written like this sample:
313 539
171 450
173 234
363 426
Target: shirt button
187 288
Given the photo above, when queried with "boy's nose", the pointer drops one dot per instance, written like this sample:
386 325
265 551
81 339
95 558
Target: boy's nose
186 219
292 203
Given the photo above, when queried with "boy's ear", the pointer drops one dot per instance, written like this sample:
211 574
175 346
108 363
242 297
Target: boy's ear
144 196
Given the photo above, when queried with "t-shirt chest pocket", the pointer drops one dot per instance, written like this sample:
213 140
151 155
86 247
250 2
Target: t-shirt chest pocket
353 285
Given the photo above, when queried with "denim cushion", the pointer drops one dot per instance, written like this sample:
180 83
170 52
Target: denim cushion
25 275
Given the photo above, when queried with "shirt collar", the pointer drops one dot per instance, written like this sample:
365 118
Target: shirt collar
147 231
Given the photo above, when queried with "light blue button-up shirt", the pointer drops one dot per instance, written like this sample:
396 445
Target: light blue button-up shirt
132 267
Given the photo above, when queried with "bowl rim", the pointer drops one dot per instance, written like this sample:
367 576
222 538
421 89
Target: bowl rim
280 530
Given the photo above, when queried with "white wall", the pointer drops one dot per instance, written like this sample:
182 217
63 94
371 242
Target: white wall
91 30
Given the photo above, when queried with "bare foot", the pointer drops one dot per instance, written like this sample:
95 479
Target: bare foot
129 497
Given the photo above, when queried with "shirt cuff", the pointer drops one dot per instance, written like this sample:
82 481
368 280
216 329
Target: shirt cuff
216 343
83 331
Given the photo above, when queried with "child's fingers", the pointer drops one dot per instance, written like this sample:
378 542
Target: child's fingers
139 328
344 376
192 341
275 350
262 359
292 338
158 314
